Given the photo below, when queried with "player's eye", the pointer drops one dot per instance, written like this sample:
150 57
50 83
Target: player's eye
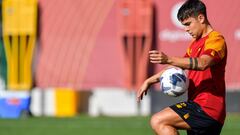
187 24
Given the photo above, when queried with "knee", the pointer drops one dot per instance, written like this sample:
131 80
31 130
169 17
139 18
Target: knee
161 125
157 122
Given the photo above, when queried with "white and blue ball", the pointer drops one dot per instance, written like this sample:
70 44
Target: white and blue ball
174 82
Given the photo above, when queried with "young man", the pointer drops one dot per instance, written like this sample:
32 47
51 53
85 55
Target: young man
204 111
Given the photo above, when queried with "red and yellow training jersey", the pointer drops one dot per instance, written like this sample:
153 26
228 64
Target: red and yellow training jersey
207 88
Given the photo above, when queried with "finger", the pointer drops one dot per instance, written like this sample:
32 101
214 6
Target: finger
141 97
139 93
156 62
138 99
153 52
155 58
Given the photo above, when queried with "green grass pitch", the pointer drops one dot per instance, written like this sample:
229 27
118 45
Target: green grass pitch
85 125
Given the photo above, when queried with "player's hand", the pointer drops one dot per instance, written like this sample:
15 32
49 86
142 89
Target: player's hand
157 57
142 91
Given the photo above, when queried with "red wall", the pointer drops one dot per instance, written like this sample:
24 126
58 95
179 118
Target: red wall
80 47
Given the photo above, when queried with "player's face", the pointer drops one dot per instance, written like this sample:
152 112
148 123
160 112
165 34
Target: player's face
193 26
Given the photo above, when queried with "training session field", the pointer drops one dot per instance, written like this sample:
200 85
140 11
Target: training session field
85 125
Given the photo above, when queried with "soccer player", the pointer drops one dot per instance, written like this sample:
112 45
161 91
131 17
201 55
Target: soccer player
204 111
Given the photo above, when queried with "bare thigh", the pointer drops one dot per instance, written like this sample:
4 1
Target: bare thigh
169 117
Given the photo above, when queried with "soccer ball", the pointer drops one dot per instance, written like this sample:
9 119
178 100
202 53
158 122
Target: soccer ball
174 82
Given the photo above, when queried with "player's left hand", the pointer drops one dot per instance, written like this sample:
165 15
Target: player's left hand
142 91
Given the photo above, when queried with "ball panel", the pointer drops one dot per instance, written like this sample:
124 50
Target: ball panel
174 82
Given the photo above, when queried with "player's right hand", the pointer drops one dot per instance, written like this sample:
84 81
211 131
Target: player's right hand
157 57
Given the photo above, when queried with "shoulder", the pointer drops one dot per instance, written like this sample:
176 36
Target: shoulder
214 35
215 41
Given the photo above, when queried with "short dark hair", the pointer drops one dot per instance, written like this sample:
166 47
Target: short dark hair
191 8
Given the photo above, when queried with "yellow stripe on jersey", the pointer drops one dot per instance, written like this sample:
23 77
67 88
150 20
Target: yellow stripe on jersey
216 43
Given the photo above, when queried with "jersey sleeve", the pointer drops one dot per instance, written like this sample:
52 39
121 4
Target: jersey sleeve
215 47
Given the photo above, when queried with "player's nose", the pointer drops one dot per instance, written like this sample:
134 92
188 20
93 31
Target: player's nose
186 28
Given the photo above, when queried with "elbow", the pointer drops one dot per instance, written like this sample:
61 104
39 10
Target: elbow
202 67
202 63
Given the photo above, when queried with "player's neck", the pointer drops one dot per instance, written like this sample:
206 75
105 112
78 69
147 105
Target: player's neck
206 30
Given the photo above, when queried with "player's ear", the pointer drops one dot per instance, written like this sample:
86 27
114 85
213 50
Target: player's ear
201 18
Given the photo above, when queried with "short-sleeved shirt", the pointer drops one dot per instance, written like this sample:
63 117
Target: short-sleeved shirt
207 87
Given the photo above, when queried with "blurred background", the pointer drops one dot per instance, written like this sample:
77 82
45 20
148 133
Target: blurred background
87 58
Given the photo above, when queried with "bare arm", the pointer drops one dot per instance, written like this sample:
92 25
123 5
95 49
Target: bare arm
147 83
156 57
200 63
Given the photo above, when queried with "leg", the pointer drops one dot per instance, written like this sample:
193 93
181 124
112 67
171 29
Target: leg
167 121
